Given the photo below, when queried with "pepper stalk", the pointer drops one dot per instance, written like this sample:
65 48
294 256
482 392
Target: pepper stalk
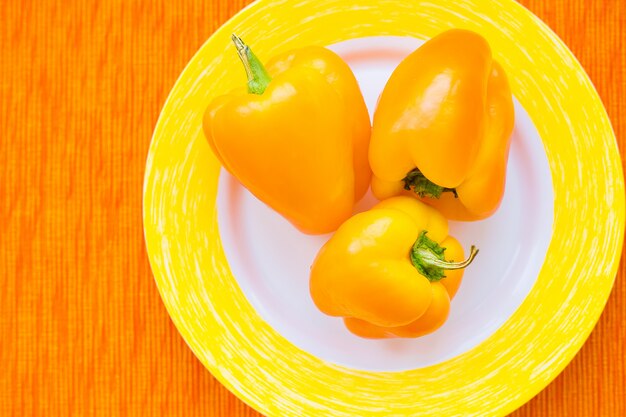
424 187
258 78
427 256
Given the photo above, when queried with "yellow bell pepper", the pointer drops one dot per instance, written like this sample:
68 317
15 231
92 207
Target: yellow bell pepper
390 271
442 128
298 138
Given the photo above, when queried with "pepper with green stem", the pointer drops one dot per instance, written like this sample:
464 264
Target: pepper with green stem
390 271
298 138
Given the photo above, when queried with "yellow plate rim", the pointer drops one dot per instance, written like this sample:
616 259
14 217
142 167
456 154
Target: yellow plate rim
494 378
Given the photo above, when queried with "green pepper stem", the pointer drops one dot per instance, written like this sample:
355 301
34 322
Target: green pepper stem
427 256
258 78
424 187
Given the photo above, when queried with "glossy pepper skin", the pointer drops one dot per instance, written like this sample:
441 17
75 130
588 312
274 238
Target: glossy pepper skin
390 271
442 128
298 138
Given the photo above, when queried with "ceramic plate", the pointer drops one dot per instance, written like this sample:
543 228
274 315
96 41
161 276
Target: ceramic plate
234 275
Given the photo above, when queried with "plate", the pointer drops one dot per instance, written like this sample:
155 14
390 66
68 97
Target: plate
234 275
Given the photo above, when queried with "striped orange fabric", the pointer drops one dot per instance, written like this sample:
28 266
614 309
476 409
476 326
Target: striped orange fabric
82 328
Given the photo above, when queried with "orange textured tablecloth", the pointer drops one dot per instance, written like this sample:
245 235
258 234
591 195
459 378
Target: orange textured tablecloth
82 328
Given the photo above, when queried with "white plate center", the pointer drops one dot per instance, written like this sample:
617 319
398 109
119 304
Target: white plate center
271 259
